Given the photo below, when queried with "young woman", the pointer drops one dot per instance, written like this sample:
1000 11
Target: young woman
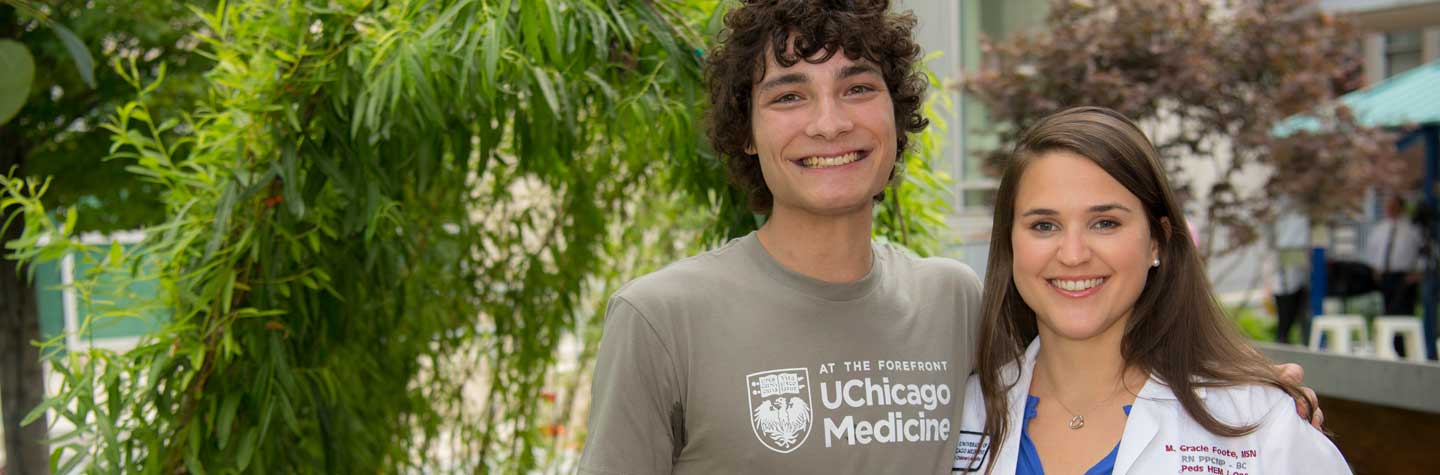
1101 347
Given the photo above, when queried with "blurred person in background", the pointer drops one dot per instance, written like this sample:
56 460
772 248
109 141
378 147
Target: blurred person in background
1287 276
1289 279
1392 249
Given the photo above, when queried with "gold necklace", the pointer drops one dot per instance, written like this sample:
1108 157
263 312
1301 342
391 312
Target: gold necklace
1077 421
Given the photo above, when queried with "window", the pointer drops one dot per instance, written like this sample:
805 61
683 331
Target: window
1402 51
997 19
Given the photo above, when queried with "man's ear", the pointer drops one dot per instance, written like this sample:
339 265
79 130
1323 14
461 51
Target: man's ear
750 149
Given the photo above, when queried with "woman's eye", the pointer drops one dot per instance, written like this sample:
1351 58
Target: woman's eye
1107 224
1045 227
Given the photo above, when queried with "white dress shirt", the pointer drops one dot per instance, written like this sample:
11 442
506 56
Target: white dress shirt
1404 251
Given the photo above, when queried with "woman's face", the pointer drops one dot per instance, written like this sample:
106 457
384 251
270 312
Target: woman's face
1082 245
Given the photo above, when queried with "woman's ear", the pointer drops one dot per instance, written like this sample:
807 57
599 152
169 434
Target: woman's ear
1155 243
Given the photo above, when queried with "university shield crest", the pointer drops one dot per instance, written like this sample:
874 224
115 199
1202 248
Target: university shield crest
780 413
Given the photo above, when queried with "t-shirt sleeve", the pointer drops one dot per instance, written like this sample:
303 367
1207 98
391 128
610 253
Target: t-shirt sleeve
1290 445
634 398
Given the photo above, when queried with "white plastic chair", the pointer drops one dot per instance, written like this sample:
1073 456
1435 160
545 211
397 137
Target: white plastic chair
1408 327
1341 329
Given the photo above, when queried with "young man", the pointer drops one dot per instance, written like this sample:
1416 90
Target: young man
803 347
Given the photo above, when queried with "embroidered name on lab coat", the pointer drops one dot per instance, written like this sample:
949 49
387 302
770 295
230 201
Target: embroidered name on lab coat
1213 459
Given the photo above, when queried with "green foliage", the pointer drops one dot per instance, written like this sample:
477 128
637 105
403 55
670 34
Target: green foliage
382 220
84 63
15 85
1252 325
913 213
59 127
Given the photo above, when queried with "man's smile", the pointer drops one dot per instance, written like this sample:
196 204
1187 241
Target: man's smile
833 160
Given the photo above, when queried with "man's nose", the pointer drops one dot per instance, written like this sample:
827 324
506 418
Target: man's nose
830 120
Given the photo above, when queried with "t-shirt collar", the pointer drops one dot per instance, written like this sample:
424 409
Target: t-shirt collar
836 292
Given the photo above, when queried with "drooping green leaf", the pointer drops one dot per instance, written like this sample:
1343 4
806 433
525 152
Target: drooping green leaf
39 410
19 69
79 53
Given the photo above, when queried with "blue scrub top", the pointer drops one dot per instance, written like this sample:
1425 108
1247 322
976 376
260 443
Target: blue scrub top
1029 463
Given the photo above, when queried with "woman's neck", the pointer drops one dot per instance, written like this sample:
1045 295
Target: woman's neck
1085 372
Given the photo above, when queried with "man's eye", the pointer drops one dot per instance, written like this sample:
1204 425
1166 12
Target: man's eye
860 89
788 97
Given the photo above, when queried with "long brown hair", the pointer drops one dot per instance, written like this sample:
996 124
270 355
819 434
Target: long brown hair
1177 331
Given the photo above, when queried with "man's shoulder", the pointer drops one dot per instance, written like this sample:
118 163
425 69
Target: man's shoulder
700 274
945 271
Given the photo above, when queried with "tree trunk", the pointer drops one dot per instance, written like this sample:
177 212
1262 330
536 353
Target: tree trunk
22 383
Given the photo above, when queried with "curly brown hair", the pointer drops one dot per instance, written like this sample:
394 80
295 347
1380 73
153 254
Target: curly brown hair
861 28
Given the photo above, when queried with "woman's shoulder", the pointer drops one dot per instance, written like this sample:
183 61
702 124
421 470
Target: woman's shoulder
1253 393
1241 404
1008 375
1284 439
1247 403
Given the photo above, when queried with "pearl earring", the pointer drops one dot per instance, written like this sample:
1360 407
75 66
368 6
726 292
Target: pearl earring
1156 263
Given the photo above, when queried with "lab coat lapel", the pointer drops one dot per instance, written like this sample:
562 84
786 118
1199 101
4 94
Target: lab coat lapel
1144 422
1140 430
1010 450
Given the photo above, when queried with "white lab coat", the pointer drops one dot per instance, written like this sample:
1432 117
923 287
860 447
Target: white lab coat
1160 437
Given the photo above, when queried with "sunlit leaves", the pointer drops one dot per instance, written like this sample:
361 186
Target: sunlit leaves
387 217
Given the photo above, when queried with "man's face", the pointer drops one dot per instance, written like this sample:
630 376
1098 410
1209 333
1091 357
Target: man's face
824 134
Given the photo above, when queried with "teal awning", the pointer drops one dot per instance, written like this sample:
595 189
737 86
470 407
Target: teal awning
1410 98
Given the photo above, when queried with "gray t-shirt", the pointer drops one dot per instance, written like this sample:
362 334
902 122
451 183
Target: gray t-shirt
727 362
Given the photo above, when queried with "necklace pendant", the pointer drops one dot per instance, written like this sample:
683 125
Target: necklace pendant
1077 422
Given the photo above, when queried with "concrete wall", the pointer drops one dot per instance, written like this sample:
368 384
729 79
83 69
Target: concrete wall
1398 384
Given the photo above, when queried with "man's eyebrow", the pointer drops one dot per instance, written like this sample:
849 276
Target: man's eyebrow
856 70
792 78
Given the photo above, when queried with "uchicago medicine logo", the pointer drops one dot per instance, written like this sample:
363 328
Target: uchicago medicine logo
780 412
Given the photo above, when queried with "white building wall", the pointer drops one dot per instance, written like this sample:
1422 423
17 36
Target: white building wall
945 26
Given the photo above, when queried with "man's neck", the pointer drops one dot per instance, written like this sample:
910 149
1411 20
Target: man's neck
826 248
